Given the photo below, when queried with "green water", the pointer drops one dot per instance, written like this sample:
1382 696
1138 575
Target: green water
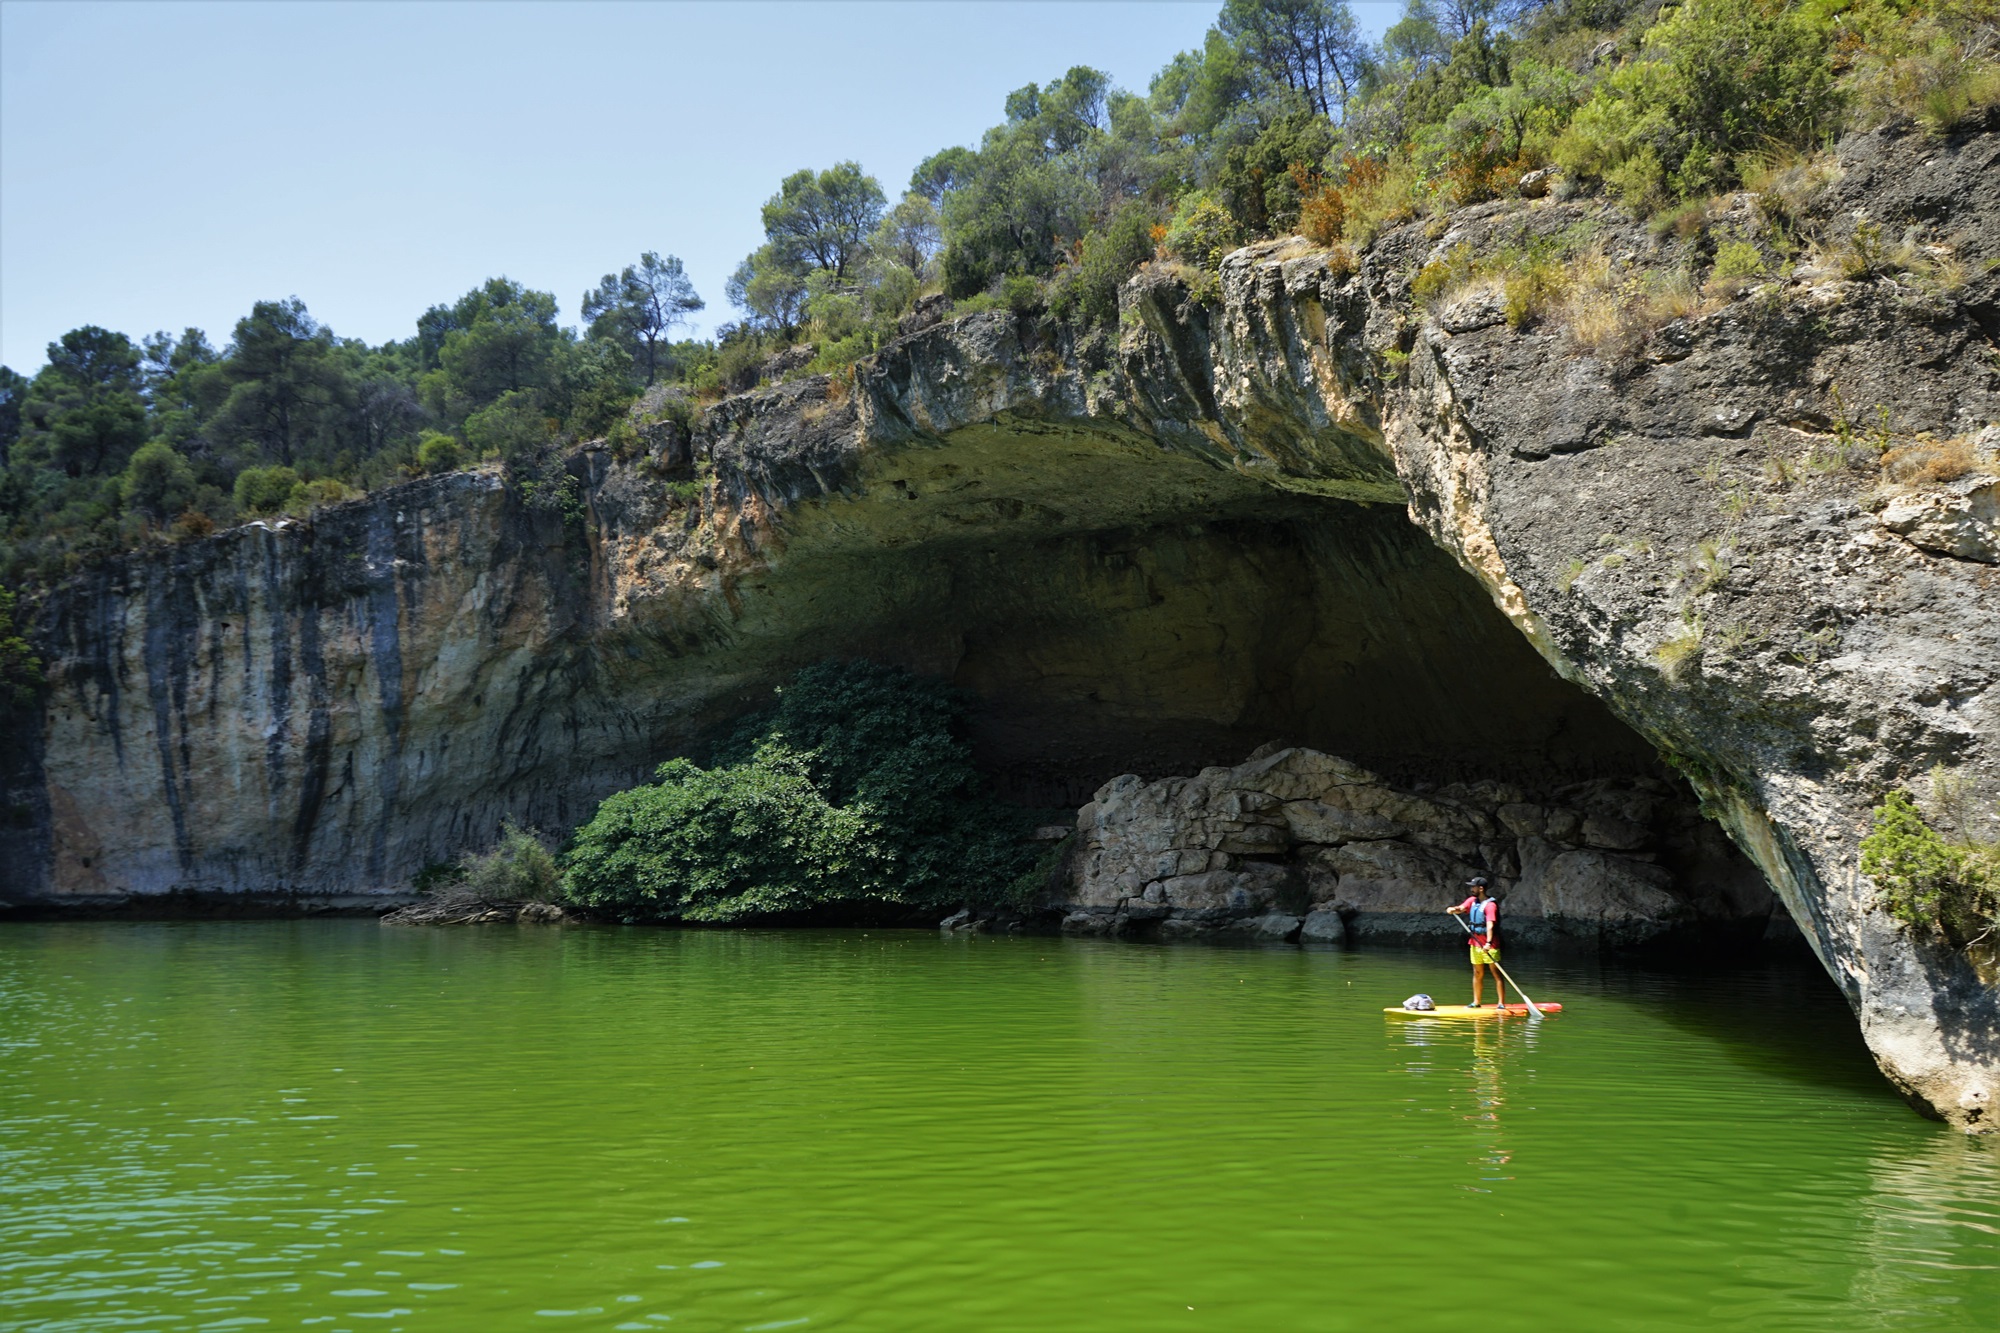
338 1126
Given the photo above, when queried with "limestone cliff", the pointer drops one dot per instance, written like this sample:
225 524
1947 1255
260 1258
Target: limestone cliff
1309 509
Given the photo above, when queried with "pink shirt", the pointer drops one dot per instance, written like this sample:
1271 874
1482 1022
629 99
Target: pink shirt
1491 910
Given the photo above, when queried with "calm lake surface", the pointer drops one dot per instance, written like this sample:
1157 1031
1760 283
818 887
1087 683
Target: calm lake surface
339 1126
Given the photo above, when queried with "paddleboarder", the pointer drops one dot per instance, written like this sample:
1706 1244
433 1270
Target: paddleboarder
1482 912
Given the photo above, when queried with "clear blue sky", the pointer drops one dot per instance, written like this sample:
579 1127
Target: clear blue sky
165 165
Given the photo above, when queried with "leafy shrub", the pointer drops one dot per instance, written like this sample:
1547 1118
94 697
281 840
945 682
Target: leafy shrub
623 437
190 524
310 495
520 868
265 490
513 429
1202 231
841 355
855 788
438 452
1938 68
593 390
1737 264
1928 883
158 482
1088 290
740 362
834 310
1022 294
1498 133
717 844
893 291
1378 195
1719 79
1264 183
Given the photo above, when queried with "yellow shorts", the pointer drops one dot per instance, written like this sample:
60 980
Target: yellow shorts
1485 954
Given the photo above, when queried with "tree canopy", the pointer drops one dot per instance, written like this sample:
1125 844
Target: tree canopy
641 305
821 220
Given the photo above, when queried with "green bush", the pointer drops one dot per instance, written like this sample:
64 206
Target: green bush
438 452
717 844
1202 231
1936 67
1927 883
855 788
520 868
1719 80
1257 181
158 482
310 495
740 363
1022 294
265 490
836 356
1088 290
513 428
894 291
1737 260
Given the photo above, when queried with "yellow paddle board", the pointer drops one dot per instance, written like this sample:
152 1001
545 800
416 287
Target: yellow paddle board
1467 1011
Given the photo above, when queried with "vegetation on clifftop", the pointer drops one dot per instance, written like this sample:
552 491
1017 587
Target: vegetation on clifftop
1283 120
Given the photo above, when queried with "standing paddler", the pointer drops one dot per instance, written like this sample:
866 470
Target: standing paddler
1482 914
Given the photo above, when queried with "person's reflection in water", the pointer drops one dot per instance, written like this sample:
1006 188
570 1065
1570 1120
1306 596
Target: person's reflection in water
1435 1043
1489 1095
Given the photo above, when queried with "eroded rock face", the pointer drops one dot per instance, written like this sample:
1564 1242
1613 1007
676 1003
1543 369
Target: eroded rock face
1695 541
1299 844
1447 548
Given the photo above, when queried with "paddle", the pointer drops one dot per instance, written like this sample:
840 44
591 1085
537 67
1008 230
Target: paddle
1503 972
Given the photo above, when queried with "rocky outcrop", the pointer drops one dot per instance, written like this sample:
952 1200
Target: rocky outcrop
1960 519
1295 844
1447 548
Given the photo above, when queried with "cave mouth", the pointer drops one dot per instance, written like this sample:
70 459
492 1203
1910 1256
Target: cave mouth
1281 620
1163 649
1113 604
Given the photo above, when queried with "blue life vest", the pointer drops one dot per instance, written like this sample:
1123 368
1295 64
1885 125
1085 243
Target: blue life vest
1476 914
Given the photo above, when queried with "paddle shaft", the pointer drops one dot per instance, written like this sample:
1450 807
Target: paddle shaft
1501 970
